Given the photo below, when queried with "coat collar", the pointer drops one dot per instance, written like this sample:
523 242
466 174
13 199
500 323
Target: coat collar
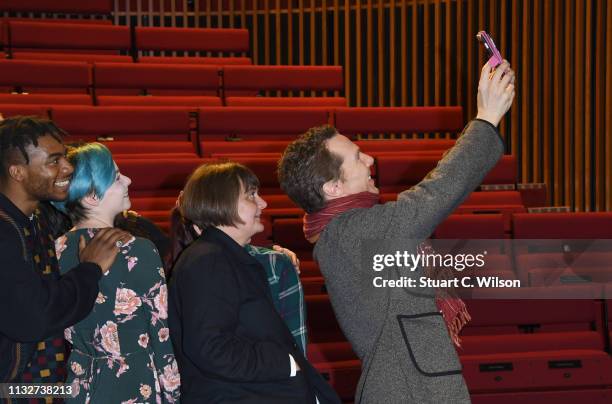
13 211
216 236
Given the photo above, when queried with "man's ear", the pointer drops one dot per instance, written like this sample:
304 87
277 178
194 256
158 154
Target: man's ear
332 189
91 200
17 172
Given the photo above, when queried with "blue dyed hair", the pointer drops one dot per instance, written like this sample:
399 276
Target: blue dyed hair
94 173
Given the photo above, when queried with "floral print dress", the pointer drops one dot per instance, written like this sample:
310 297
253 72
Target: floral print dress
121 352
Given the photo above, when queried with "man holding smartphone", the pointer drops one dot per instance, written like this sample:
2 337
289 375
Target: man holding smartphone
406 352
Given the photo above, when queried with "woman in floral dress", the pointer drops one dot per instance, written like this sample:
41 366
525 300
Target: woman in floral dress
121 352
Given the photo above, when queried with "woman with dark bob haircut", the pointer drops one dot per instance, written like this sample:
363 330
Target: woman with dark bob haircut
230 342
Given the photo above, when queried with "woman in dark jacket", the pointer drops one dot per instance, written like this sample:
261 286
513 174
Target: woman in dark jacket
230 343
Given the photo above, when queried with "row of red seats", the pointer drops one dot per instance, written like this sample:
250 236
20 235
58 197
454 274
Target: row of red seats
59 6
66 37
107 84
510 344
548 249
236 130
174 135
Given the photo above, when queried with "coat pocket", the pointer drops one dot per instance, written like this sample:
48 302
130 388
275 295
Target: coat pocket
429 346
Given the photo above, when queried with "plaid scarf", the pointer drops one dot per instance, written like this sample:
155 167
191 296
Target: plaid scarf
452 308
48 363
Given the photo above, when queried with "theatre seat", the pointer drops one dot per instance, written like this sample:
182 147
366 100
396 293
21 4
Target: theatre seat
46 99
198 60
104 7
191 39
285 102
364 120
549 338
403 145
487 226
563 248
92 38
398 172
591 396
159 101
253 123
141 128
71 57
8 110
213 147
35 76
155 79
238 79
321 321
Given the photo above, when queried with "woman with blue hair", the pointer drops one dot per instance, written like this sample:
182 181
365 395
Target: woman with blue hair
122 351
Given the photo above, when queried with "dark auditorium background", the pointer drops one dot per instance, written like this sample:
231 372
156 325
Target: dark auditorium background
424 52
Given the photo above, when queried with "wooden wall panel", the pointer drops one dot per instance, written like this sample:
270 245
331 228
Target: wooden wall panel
423 52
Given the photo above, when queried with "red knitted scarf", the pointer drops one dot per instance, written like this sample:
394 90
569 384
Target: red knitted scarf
453 309
314 223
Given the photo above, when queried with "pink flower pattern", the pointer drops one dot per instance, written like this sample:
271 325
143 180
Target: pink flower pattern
161 302
60 246
126 302
170 379
110 339
163 334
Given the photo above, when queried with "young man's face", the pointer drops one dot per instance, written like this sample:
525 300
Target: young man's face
355 167
47 177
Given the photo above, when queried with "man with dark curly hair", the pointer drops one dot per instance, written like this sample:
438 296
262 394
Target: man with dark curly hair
36 303
401 338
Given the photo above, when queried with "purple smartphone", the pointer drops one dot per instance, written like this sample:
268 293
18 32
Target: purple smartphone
495 58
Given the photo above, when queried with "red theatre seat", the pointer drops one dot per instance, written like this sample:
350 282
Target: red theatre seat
92 38
577 225
136 129
8 110
321 322
285 101
46 99
71 57
193 101
562 248
59 6
591 396
248 81
224 147
487 226
243 125
122 83
192 39
256 78
535 344
398 172
198 60
351 121
403 146
45 77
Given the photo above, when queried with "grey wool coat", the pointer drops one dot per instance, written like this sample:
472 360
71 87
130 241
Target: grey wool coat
399 335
